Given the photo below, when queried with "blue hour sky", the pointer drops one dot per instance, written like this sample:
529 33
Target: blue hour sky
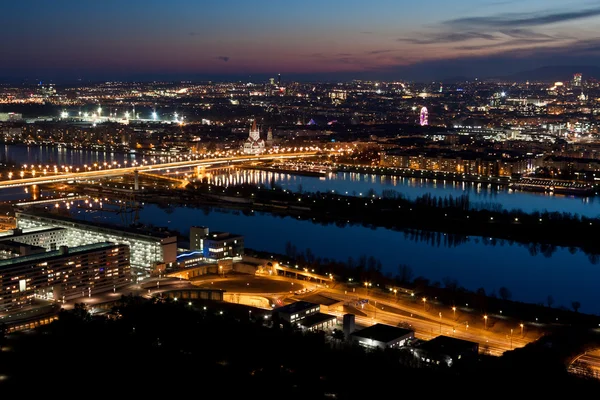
397 39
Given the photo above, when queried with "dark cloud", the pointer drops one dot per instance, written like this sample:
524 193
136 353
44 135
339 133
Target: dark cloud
503 21
379 51
508 43
449 37
525 34
223 58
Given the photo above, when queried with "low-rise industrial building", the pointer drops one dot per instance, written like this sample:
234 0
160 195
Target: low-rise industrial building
446 351
382 336
307 315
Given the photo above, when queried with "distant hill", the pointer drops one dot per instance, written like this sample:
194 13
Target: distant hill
553 74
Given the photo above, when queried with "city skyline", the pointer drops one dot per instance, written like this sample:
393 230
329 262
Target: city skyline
310 40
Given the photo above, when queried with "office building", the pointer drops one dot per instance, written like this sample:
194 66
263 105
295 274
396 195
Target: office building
382 336
149 250
216 245
48 238
63 274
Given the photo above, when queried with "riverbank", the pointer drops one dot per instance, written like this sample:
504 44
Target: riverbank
448 215
567 187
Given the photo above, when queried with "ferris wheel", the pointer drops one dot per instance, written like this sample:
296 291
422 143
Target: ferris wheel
424 117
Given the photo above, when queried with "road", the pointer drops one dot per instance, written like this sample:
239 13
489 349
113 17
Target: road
104 173
426 323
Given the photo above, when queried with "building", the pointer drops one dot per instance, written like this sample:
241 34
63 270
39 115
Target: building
48 238
577 79
307 315
254 144
349 325
149 250
63 274
462 162
12 249
216 245
382 336
446 351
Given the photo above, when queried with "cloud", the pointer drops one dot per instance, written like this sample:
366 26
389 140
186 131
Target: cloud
525 34
379 51
344 54
192 33
449 37
223 58
515 43
509 20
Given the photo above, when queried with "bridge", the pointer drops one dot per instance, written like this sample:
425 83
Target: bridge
106 173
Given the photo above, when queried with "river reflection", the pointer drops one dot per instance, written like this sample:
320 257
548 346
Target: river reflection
530 272
481 195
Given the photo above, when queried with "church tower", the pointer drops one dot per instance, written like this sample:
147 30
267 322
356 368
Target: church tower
254 132
270 136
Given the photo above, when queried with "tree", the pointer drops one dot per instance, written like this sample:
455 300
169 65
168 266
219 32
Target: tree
404 273
550 301
576 306
504 293
338 335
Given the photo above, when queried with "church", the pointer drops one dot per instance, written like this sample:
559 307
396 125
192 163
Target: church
254 144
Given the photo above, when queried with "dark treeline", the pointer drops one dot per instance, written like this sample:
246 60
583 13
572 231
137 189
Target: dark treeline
542 231
448 291
156 347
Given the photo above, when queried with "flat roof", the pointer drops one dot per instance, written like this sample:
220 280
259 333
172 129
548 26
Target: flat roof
315 319
320 299
95 225
382 333
295 307
221 236
56 253
447 345
13 233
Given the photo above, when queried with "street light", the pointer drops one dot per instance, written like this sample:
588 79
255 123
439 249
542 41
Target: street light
511 331
424 300
454 311
485 321
521 325
440 322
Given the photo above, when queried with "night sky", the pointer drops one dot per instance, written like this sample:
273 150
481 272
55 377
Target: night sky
67 40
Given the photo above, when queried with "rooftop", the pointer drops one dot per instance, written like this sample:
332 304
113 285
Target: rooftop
447 345
382 333
296 307
315 319
95 225
56 253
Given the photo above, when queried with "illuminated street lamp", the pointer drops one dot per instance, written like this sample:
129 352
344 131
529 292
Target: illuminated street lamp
454 311
424 301
521 325
485 321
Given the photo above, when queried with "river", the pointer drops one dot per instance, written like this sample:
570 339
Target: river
477 262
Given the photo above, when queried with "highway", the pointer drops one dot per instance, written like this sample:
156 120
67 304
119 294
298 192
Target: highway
109 172
396 312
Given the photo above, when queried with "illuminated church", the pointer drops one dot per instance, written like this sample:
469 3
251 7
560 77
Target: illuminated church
254 144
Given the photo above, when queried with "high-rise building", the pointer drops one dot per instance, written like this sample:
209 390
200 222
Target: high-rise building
577 80
63 274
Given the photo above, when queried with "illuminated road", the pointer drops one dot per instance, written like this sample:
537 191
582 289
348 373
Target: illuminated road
109 172
426 324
